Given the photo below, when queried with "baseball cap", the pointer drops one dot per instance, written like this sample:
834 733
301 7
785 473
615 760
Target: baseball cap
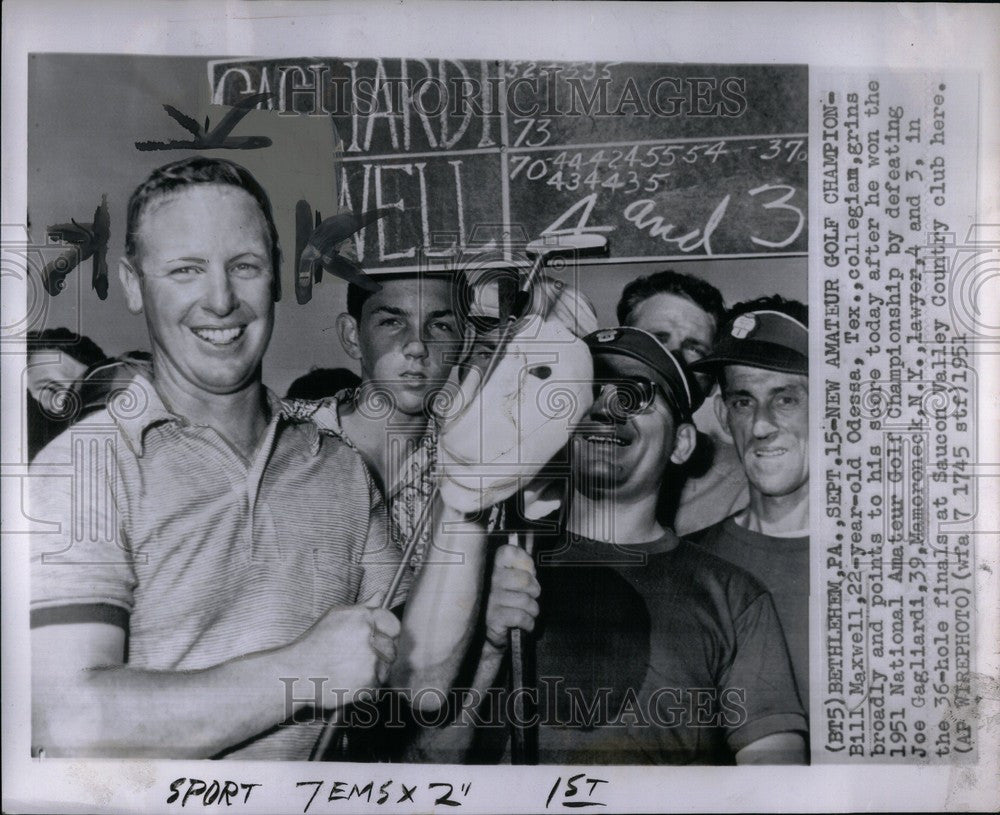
666 370
765 339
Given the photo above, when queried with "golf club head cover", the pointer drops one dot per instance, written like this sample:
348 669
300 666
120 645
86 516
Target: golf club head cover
496 439
569 305
543 496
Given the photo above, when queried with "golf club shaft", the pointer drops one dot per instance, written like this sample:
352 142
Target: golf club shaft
523 745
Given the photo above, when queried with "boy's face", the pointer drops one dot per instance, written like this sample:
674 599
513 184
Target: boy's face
204 282
408 338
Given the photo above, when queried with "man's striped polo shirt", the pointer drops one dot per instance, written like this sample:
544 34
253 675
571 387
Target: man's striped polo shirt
160 526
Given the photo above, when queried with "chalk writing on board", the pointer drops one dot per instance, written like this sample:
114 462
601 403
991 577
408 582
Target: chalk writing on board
667 160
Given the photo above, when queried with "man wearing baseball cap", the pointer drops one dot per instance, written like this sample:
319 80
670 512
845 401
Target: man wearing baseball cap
648 649
762 364
685 313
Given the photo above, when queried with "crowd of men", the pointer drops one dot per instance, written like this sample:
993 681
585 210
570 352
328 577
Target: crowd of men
226 569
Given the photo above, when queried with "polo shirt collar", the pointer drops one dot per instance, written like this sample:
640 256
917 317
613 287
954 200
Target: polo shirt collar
136 409
139 407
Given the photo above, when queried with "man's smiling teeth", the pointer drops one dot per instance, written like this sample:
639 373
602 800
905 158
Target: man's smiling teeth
770 452
604 440
219 336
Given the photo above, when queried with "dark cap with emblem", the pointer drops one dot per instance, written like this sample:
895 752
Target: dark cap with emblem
760 339
667 370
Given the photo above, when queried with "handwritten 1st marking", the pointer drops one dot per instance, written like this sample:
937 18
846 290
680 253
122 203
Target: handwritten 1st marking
571 790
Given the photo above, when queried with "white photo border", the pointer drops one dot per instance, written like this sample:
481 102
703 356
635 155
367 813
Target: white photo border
822 35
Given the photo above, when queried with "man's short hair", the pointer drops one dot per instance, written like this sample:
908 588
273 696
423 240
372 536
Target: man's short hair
701 293
461 292
200 170
83 349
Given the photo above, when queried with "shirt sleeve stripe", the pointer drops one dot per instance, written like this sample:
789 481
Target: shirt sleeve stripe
81 613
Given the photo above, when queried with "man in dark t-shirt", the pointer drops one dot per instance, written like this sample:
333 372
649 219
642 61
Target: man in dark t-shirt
782 565
648 649
655 653
762 365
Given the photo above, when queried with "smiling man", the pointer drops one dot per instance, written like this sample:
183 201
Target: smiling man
762 364
649 650
216 551
685 312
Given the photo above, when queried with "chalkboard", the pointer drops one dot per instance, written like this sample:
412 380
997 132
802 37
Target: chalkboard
667 160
